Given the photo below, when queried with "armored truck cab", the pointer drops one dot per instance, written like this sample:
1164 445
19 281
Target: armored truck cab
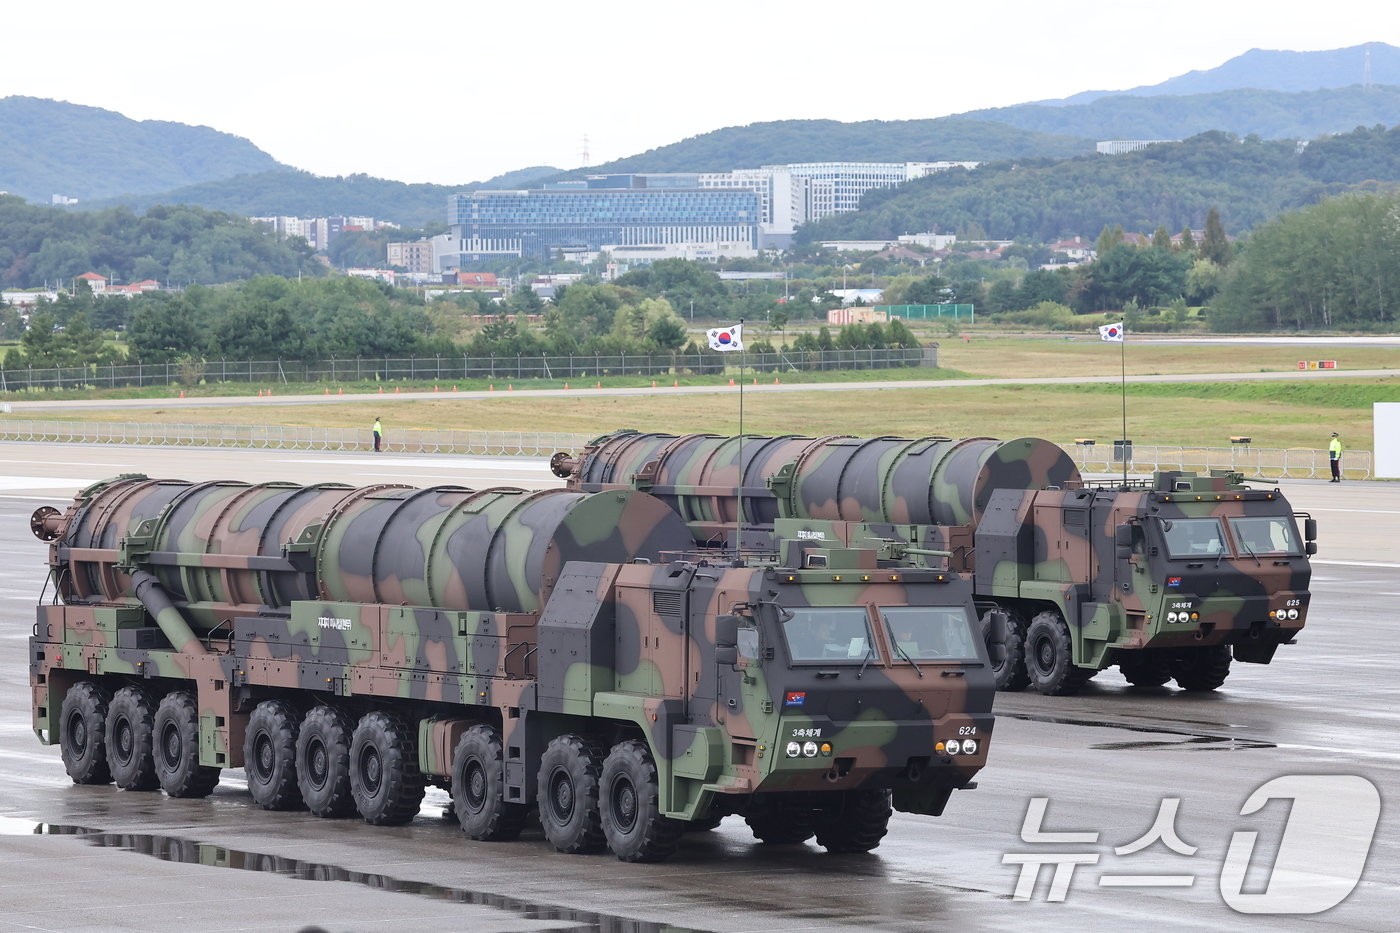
1165 579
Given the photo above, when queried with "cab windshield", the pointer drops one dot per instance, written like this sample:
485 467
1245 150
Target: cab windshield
1194 537
1265 535
839 633
930 633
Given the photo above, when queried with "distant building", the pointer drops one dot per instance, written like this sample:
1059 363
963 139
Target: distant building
856 315
98 283
415 256
623 211
1120 146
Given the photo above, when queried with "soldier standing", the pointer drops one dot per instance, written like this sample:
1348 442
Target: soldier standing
1334 457
379 434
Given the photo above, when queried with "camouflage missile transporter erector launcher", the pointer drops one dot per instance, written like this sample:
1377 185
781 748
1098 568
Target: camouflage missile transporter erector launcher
1167 579
551 651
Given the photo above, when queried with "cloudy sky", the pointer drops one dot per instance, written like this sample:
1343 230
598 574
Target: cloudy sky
432 91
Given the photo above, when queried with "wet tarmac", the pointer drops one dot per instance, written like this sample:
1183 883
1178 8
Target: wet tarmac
95 858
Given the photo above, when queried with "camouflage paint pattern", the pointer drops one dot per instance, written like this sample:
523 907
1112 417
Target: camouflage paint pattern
1040 552
539 613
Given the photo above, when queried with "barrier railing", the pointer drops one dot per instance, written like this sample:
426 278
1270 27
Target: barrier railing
1267 462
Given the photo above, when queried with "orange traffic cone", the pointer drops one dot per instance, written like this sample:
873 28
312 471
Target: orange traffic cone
328 391
436 389
675 383
755 380
454 387
731 380
566 387
598 384
653 383
775 380
182 393
510 387
492 388
396 390
340 391
381 390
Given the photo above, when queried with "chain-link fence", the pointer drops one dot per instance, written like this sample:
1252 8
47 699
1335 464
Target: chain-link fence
1276 463
449 368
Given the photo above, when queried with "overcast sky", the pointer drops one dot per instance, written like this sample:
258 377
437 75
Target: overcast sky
456 92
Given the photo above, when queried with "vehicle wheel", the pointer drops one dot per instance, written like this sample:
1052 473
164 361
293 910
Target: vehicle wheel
629 803
82 727
780 819
384 777
176 748
270 756
323 762
1049 654
1010 674
568 781
478 787
1145 667
130 725
1202 669
856 822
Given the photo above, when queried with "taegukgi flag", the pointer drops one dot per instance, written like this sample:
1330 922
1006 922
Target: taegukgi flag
1112 332
726 338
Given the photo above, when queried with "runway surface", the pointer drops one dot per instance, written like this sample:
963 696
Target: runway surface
94 858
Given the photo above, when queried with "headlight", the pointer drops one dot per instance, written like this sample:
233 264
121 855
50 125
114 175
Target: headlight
1171 616
953 746
794 749
810 749
969 746
1292 613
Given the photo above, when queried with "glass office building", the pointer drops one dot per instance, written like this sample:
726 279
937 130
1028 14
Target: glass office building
612 210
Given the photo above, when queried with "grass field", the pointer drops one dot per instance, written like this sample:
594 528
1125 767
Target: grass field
1288 414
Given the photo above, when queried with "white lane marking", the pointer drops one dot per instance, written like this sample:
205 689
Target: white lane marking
1352 563
1366 511
42 482
502 463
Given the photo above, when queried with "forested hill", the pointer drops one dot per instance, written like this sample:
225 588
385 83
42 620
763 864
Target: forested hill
51 147
946 138
1171 184
301 194
1274 70
173 245
1270 114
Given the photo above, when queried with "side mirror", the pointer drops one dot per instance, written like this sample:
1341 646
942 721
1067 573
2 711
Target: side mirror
1310 529
727 655
1123 541
726 631
1310 548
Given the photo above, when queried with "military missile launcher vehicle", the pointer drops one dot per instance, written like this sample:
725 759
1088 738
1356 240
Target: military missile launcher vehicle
551 651
1166 578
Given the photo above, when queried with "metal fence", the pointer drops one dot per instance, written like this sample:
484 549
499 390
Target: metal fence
1270 462
291 437
449 368
1275 463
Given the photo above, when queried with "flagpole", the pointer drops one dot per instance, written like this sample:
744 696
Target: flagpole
739 488
1123 389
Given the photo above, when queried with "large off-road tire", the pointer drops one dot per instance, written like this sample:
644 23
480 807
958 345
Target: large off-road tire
1010 674
629 803
780 819
130 726
855 822
478 787
568 786
323 762
270 756
175 747
1147 667
384 777
82 730
1201 669
1049 656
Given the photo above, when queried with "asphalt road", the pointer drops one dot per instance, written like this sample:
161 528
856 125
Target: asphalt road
94 858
